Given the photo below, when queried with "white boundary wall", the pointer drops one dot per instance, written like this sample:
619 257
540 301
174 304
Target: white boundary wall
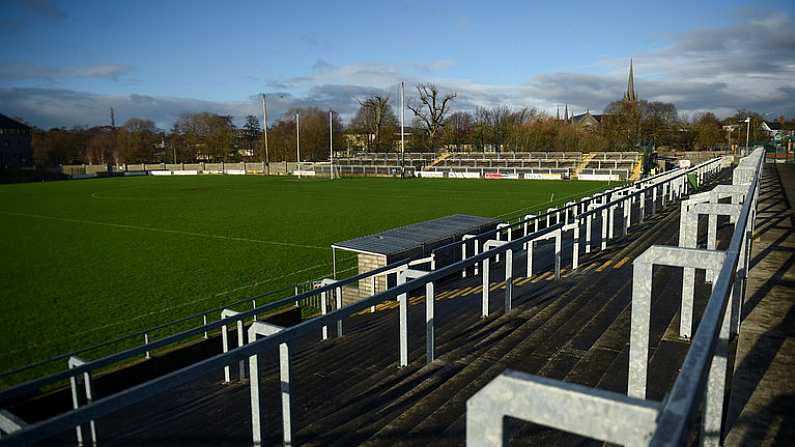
599 177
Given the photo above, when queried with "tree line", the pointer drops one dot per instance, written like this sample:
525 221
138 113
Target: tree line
433 124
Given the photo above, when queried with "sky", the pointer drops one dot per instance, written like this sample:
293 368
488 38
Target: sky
66 63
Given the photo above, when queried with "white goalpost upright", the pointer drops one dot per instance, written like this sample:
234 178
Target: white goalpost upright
298 144
331 143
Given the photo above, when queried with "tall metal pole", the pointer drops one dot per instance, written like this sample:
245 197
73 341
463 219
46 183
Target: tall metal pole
265 129
109 154
402 138
747 134
331 142
298 142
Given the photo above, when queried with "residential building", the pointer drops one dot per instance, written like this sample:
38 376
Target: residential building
16 149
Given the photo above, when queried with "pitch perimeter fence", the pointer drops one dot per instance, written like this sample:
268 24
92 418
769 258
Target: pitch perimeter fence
697 402
656 191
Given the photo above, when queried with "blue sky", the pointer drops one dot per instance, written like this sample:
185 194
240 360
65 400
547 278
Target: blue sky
70 60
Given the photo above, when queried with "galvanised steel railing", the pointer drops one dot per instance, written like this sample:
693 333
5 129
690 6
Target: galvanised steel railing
649 188
425 280
631 419
314 302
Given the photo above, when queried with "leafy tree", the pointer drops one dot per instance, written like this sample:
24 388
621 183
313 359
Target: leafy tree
707 130
207 135
621 125
314 135
251 132
134 141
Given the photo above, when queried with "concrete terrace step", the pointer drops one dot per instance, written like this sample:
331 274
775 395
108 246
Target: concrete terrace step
535 335
348 390
449 360
579 321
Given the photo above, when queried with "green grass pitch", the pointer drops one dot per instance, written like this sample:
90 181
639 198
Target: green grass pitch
85 261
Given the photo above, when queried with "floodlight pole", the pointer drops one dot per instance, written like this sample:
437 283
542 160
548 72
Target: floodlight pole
747 134
331 142
265 129
298 143
402 139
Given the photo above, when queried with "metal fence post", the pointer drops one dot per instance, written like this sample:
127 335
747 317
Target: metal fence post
429 329
627 214
711 432
73 362
639 329
323 311
266 329
575 249
485 294
404 337
529 245
653 200
226 313
372 287
612 222
642 206
588 220
464 254
339 306
558 246
508 279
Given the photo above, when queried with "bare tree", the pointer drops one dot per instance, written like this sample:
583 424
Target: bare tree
376 120
458 129
430 111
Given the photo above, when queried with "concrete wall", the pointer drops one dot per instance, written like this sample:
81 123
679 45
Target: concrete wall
252 168
695 157
15 148
366 264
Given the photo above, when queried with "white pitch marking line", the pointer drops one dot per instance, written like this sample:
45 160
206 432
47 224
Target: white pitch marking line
164 230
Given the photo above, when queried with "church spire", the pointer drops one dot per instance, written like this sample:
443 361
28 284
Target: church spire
566 114
557 113
629 96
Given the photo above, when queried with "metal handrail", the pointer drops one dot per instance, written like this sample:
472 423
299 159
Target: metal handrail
124 398
670 175
269 293
139 333
31 386
686 394
655 423
138 393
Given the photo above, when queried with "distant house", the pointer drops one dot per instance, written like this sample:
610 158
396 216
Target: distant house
359 141
777 129
16 149
586 121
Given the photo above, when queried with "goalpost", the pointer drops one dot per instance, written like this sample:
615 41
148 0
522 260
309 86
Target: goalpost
333 172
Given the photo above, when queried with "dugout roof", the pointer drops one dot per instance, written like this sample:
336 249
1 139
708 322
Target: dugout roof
418 236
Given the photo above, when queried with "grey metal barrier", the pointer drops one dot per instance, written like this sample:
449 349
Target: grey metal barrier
29 388
633 420
99 407
509 247
667 185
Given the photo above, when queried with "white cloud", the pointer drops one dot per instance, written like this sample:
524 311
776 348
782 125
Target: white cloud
17 71
750 64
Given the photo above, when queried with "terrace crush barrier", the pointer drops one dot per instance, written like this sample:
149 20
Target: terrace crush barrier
633 420
114 402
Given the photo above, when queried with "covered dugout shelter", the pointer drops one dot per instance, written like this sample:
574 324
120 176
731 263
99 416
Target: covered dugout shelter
410 241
